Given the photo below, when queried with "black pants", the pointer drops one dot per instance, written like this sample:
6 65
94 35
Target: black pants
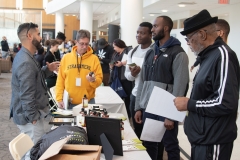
137 127
212 152
127 86
169 140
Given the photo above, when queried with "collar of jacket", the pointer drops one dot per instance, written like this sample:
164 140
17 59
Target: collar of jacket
216 44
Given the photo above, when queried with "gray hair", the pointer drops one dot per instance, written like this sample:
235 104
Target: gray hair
82 33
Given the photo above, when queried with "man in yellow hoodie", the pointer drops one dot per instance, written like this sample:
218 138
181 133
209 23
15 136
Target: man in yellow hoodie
73 75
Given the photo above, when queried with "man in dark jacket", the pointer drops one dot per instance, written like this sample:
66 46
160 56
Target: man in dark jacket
5 47
210 124
105 52
165 66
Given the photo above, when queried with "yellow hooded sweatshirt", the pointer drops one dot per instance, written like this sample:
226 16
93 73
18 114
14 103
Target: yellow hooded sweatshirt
68 72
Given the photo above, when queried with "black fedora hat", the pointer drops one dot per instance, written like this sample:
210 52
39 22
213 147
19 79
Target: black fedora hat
198 21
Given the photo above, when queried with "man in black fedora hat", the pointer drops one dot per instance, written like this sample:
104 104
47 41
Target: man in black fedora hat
210 124
104 53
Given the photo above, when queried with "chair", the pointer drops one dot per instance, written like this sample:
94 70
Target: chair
20 145
6 64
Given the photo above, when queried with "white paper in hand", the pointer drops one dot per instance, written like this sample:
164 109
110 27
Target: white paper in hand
153 130
161 103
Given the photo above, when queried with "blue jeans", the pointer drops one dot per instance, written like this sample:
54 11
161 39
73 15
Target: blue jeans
92 101
169 140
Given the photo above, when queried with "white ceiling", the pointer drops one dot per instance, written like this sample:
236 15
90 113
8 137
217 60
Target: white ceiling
102 7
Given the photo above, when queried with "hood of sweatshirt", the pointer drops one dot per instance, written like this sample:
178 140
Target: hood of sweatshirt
85 55
169 43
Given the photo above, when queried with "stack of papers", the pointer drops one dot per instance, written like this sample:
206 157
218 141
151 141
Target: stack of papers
63 112
136 147
160 103
132 145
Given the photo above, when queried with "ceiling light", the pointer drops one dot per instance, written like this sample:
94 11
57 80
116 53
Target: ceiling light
151 15
66 14
143 18
73 15
52 14
164 10
181 5
107 28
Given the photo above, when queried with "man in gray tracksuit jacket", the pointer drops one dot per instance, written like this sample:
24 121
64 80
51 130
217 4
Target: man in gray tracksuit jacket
165 66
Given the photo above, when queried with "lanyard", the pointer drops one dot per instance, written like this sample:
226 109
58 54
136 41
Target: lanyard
79 66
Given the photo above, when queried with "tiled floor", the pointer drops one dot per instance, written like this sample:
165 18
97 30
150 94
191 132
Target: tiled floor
9 130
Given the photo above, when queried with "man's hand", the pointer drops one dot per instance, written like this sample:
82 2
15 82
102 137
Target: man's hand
138 117
54 66
191 68
169 125
181 103
90 79
61 105
135 70
34 122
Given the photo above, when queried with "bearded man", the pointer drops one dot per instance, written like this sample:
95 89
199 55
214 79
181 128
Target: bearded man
165 66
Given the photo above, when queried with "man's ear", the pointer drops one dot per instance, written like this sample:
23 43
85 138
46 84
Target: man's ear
221 33
203 35
166 28
29 36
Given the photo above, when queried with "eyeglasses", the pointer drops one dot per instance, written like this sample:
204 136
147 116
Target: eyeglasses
83 44
188 38
29 27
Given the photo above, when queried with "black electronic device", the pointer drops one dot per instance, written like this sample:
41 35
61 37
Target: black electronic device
110 127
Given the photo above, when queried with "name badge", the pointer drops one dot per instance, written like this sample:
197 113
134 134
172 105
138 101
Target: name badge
78 81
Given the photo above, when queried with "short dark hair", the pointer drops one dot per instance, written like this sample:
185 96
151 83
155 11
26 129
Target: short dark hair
82 33
61 36
167 21
53 42
148 25
26 26
119 43
223 25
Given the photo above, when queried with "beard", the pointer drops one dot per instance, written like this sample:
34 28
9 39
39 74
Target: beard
36 43
200 48
160 35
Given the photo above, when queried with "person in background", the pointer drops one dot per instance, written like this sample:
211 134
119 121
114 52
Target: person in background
40 56
51 57
29 102
223 30
73 75
15 49
19 46
94 47
118 62
165 66
104 53
5 47
60 38
210 124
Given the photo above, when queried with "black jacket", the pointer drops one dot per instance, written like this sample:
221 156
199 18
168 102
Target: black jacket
214 99
5 46
105 56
